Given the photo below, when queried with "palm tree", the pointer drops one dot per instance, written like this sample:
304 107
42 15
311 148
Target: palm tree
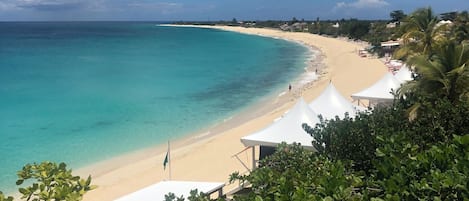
461 27
420 32
444 74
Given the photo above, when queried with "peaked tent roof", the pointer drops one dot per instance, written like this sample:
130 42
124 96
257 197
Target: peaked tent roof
288 129
404 74
381 90
157 192
331 103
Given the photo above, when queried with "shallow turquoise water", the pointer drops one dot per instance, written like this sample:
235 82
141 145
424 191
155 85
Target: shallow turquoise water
85 92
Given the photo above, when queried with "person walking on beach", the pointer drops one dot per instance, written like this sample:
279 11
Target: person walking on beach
289 87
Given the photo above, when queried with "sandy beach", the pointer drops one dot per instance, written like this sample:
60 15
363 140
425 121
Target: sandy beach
208 156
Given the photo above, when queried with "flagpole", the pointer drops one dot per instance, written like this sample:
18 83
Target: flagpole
169 160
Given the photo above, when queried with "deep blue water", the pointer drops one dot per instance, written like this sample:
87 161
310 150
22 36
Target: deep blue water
84 92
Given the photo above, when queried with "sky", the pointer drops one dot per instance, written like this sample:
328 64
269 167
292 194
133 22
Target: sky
201 10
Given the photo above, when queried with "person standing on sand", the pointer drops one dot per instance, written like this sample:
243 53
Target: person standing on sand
289 87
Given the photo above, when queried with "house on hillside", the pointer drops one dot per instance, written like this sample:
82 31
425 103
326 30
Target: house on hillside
336 25
444 22
390 46
248 24
391 25
297 26
285 27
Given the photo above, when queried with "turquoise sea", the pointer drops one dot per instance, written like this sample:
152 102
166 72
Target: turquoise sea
81 92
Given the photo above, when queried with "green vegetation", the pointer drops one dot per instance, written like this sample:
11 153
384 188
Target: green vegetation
3 198
416 149
293 173
50 181
376 156
460 28
444 74
397 16
420 33
440 57
422 26
194 195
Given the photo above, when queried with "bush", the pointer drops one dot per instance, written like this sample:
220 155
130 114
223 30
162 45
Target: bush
3 198
402 172
293 173
438 122
355 139
50 181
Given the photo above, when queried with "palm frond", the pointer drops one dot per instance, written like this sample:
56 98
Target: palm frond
407 88
426 68
413 111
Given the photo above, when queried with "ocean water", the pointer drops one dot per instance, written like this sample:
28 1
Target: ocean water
83 92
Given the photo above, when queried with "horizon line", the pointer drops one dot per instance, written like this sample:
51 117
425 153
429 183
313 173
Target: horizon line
189 21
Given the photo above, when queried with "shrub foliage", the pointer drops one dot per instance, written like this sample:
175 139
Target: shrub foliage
50 181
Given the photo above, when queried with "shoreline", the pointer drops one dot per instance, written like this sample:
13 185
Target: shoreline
243 115
207 156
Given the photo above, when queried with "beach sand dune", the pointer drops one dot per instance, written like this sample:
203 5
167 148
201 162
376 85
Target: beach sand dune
208 156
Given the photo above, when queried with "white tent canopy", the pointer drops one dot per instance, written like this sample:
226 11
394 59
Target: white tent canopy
381 90
288 129
331 103
390 43
404 74
156 192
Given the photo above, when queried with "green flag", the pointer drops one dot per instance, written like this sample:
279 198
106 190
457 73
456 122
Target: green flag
166 160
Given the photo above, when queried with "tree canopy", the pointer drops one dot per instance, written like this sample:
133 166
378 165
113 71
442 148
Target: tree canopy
397 15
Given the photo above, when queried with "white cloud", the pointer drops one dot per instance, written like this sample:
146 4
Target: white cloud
341 5
361 4
11 5
97 6
5 6
161 7
42 2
